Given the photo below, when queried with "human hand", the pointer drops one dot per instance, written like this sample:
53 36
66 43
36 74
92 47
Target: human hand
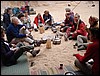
13 45
47 20
27 35
62 24
61 29
75 32
70 27
24 27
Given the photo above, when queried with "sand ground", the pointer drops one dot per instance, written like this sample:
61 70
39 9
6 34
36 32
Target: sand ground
62 53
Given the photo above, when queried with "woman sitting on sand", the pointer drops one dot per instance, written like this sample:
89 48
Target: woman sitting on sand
92 52
38 21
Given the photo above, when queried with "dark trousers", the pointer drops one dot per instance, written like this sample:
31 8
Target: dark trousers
18 53
64 28
27 8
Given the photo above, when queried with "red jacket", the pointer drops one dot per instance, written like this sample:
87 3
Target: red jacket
80 31
91 52
36 20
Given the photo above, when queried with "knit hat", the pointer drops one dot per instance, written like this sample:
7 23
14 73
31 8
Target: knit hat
68 9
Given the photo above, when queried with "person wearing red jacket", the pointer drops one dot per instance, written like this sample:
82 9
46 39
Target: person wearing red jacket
38 21
83 41
92 52
79 28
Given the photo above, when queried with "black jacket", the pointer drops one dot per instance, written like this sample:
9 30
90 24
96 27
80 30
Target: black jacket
6 20
6 53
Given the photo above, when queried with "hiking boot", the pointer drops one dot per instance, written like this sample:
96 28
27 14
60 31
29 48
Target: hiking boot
31 37
35 52
81 48
36 30
37 43
46 28
70 38
32 43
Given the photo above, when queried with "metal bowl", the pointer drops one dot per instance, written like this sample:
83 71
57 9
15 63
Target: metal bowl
56 41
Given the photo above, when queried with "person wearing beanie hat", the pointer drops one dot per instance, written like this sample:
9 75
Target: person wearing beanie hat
68 22
69 10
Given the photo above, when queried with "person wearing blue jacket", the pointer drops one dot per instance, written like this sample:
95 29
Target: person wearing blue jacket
14 35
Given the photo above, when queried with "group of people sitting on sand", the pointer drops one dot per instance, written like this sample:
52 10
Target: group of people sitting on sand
18 30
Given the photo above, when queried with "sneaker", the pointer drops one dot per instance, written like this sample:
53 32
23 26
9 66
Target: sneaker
81 48
31 37
33 53
37 43
70 38
36 30
46 28
32 43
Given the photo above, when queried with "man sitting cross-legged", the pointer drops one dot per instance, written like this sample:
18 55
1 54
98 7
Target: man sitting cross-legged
14 35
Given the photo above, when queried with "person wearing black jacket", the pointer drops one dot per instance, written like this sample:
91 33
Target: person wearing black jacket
10 53
48 19
6 17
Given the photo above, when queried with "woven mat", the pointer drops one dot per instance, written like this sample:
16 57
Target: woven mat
56 71
21 68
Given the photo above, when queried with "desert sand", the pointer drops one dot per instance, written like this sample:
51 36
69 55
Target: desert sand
62 53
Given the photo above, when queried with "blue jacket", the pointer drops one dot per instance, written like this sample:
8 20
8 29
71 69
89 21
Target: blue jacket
13 32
